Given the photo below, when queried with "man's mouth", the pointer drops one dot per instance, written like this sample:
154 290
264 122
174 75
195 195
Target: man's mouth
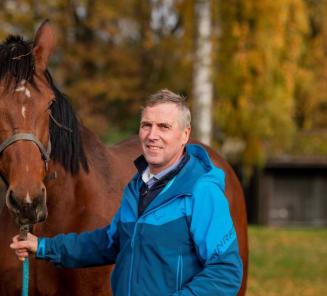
153 148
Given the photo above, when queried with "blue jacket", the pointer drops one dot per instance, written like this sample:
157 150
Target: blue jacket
183 244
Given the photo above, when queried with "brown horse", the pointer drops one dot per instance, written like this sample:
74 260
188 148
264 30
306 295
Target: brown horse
58 173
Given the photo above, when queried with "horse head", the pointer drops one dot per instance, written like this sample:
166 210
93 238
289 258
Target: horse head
25 98
32 111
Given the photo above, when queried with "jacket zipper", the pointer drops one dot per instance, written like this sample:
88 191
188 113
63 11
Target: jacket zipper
132 259
179 272
140 257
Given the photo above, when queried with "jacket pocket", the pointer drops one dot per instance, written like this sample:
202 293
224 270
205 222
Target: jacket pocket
179 272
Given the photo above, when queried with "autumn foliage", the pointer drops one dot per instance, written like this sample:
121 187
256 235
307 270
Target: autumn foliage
269 65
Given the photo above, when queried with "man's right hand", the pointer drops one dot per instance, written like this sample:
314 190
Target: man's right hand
23 248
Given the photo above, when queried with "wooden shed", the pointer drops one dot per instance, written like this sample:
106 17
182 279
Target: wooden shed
289 191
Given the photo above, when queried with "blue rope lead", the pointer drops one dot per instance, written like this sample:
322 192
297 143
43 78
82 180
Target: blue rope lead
25 278
23 231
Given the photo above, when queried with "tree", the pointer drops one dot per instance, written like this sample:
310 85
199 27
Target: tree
268 65
261 46
202 91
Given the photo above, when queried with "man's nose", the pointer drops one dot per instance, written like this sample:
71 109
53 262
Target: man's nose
153 133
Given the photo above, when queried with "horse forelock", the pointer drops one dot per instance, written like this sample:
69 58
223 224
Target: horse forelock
16 65
16 60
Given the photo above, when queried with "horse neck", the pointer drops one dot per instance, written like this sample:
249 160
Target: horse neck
94 194
98 160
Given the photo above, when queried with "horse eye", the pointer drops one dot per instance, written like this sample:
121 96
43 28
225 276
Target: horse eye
51 103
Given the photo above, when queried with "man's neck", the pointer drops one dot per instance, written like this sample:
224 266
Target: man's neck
159 173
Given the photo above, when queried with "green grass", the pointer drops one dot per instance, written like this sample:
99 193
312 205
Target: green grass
287 261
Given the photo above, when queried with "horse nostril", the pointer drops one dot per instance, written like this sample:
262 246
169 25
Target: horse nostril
13 202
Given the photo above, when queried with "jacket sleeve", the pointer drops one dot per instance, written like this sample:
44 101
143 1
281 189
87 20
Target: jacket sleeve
216 244
90 248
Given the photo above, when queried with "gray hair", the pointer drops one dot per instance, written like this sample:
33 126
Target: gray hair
166 96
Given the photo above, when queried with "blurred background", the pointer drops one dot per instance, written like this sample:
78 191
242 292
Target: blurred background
255 75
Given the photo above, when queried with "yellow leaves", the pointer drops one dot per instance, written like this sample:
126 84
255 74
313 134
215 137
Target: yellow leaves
265 85
253 153
270 60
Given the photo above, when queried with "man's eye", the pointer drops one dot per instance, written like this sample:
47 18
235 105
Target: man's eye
164 126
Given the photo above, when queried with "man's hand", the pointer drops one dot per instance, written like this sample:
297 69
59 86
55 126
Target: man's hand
22 248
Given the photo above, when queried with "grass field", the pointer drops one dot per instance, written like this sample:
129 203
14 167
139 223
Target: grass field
287 262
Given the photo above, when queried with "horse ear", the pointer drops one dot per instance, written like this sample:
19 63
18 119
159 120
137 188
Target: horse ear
44 44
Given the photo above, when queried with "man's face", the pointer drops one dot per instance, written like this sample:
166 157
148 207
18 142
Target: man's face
162 137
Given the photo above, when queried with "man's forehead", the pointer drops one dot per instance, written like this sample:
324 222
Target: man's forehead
161 113
157 120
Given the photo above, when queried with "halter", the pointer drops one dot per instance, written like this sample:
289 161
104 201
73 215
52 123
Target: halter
28 137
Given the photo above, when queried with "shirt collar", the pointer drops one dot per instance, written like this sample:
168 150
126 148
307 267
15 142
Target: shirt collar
147 176
143 169
169 169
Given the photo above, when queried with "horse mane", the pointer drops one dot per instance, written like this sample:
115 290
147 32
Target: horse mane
17 63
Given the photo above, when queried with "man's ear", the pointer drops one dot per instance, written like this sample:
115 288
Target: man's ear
44 44
186 135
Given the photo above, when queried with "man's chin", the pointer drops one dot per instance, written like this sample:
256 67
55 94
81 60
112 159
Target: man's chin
152 158
153 163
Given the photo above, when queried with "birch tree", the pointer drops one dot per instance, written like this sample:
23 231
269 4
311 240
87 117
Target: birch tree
202 91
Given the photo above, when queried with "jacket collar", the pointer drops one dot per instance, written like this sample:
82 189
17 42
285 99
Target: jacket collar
182 184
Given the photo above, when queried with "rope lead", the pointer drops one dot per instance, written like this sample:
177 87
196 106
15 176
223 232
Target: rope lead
25 278
23 231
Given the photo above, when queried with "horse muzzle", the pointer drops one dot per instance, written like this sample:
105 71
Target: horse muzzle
27 210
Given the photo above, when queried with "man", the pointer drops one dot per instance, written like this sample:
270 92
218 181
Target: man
173 233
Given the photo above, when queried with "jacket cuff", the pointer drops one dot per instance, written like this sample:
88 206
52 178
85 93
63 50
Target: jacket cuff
41 245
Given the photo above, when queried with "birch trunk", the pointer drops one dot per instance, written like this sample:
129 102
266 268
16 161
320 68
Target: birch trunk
202 91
